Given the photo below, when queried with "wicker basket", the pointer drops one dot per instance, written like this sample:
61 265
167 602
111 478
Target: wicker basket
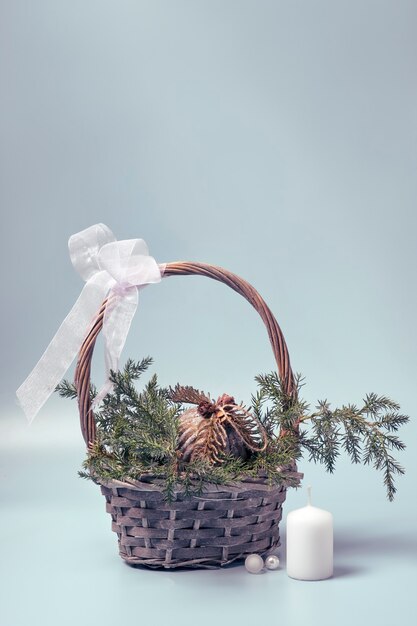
227 522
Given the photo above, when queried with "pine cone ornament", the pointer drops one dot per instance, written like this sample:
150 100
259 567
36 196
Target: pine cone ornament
214 428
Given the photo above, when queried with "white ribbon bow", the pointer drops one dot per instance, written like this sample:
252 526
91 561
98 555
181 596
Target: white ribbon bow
117 269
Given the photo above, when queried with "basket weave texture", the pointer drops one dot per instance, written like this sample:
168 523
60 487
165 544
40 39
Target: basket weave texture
225 523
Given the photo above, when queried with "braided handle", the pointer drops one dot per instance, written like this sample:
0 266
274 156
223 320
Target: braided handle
279 347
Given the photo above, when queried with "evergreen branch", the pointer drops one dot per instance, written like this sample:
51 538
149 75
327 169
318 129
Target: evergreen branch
67 389
363 433
138 433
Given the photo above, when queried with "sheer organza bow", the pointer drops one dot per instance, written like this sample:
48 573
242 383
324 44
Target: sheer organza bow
112 269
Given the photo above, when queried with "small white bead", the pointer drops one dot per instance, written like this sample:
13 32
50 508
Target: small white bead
272 562
254 563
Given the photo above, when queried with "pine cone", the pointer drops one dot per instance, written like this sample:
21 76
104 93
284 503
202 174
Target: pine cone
191 423
225 399
206 408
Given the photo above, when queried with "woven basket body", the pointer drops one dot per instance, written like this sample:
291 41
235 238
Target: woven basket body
225 523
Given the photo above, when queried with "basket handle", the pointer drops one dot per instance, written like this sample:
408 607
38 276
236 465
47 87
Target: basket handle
184 268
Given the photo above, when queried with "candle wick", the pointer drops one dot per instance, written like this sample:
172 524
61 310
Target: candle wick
309 495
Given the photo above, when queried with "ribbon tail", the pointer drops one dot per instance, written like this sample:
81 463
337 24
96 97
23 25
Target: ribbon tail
117 320
60 353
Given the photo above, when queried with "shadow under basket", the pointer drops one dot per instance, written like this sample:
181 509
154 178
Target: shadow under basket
224 524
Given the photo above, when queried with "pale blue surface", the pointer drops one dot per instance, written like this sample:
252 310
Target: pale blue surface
60 561
277 139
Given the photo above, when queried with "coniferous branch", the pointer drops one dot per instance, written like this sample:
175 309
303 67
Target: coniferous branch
365 433
138 434
68 389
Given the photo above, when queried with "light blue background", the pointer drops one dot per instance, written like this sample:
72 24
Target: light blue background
277 139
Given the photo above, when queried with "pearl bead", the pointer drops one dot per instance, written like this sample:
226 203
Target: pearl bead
272 562
254 563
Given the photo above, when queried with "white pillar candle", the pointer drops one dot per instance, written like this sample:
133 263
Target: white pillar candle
309 543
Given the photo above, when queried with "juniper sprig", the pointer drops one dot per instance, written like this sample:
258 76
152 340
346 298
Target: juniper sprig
365 433
138 433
